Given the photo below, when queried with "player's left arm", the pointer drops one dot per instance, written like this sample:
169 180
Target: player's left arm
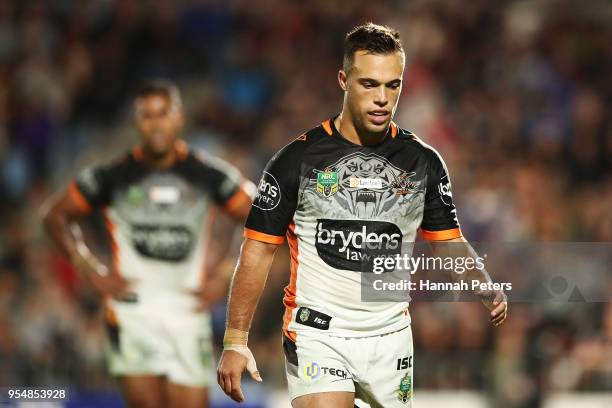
232 192
494 300
233 195
440 227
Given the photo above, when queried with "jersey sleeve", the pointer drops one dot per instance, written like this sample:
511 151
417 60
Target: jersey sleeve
276 199
90 189
440 215
229 187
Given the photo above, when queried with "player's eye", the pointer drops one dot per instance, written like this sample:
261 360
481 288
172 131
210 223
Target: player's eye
368 84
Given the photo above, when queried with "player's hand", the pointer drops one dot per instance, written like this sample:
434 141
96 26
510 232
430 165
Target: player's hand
206 297
202 299
234 360
105 282
498 307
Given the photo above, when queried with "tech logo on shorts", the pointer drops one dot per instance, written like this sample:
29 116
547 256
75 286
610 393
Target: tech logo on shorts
353 244
313 370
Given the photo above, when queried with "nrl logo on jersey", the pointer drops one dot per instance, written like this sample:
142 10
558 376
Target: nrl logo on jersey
327 183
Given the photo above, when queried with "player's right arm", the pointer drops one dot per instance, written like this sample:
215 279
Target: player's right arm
60 214
271 213
246 288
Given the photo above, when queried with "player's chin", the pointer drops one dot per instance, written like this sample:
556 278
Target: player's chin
159 151
375 125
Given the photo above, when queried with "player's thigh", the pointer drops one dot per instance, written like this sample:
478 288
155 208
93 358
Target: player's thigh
183 396
325 400
142 391
388 382
191 362
317 364
136 346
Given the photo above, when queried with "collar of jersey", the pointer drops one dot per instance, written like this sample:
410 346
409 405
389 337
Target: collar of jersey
330 128
181 148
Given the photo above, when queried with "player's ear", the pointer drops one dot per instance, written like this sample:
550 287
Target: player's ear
180 115
343 79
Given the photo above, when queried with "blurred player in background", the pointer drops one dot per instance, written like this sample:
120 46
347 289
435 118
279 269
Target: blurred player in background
157 201
355 178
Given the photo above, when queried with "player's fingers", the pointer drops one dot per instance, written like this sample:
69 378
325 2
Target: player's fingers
256 376
192 292
220 380
118 288
500 308
252 369
227 384
127 282
499 319
114 286
236 391
201 307
498 297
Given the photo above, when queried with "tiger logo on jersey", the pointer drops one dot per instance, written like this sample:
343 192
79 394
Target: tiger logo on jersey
365 184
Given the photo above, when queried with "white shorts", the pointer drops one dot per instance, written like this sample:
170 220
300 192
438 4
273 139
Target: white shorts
178 346
377 369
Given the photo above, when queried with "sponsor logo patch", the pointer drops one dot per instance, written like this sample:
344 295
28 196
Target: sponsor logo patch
313 370
446 194
164 194
313 318
168 243
353 245
268 193
355 182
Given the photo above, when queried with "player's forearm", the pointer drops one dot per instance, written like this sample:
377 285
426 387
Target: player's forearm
460 248
248 283
60 229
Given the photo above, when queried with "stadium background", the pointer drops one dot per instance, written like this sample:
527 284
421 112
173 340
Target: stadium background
515 95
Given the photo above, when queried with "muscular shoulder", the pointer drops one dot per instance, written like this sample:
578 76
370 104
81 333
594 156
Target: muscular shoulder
416 144
200 163
292 153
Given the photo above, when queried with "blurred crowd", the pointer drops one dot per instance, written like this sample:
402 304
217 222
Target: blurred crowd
516 95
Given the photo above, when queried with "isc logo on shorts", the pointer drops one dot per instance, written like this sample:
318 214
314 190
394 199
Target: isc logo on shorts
312 318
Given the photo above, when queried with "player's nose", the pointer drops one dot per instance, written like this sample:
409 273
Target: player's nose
380 97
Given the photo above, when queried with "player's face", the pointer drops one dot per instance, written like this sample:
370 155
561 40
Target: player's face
159 121
372 89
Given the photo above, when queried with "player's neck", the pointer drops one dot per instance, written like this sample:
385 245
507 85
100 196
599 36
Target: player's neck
346 127
161 162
